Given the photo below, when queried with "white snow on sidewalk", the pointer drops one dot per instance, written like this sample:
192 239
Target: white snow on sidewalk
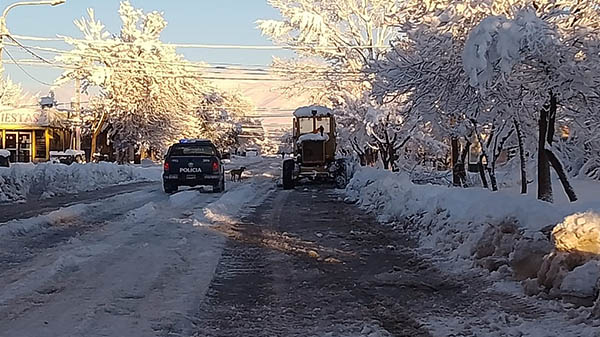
452 220
46 180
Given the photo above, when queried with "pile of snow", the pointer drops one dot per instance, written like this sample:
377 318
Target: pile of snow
572 270
230 204
578 233
63 215
503 232
4 153
45 180
314 137
582 281
313 110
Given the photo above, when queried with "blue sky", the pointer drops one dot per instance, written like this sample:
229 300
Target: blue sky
189 21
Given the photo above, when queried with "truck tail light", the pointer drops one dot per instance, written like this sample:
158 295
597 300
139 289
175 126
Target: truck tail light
215 166
167 167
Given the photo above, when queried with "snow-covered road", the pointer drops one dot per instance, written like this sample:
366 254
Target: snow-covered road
254 261
135 264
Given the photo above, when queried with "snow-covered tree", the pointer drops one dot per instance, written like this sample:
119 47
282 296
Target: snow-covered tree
346 34
549 51
150 92
424 69
221 115
427 64
335 40
11 94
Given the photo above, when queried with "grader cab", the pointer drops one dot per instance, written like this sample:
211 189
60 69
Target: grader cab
314 141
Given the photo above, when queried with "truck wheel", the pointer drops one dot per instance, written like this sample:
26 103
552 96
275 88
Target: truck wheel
288 174
340 182
220 187
170 188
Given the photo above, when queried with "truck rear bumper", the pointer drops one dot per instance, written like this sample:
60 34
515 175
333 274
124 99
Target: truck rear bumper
192 179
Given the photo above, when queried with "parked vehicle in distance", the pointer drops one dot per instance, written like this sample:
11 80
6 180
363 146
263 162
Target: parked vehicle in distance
251 152
4 158
193 162
67 157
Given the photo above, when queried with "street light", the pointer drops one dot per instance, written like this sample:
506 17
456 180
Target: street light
4 31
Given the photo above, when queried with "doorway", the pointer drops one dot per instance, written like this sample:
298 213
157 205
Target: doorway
19 146
24 153
10 144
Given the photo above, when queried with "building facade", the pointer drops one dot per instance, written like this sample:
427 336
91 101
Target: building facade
29 134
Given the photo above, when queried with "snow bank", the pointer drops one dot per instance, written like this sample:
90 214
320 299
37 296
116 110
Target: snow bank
499 231
230 204
449 212
4 153
582 282
578 233
22 181
63 215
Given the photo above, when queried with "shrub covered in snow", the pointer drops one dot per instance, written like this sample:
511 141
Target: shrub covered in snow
46 180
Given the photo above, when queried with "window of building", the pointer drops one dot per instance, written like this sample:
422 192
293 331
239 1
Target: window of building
40 144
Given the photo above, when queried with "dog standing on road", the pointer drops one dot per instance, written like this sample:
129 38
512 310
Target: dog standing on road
237 173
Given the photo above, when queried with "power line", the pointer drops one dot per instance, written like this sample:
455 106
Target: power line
189 74
25 71
29 50
316 70
213 46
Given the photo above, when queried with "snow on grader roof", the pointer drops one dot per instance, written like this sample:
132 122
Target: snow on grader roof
307 111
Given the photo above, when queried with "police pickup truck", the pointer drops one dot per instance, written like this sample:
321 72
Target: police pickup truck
193 162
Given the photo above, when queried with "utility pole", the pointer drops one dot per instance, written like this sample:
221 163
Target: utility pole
4 31
76 118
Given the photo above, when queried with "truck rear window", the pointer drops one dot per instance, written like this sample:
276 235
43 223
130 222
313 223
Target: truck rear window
192 150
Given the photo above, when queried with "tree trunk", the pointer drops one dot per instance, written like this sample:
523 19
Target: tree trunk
362 156
362 159
521 157
385 155
393 157
95 134
385 159
465 152
94 143
463 164
544 179
561 175
454 161
482 173
492 173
